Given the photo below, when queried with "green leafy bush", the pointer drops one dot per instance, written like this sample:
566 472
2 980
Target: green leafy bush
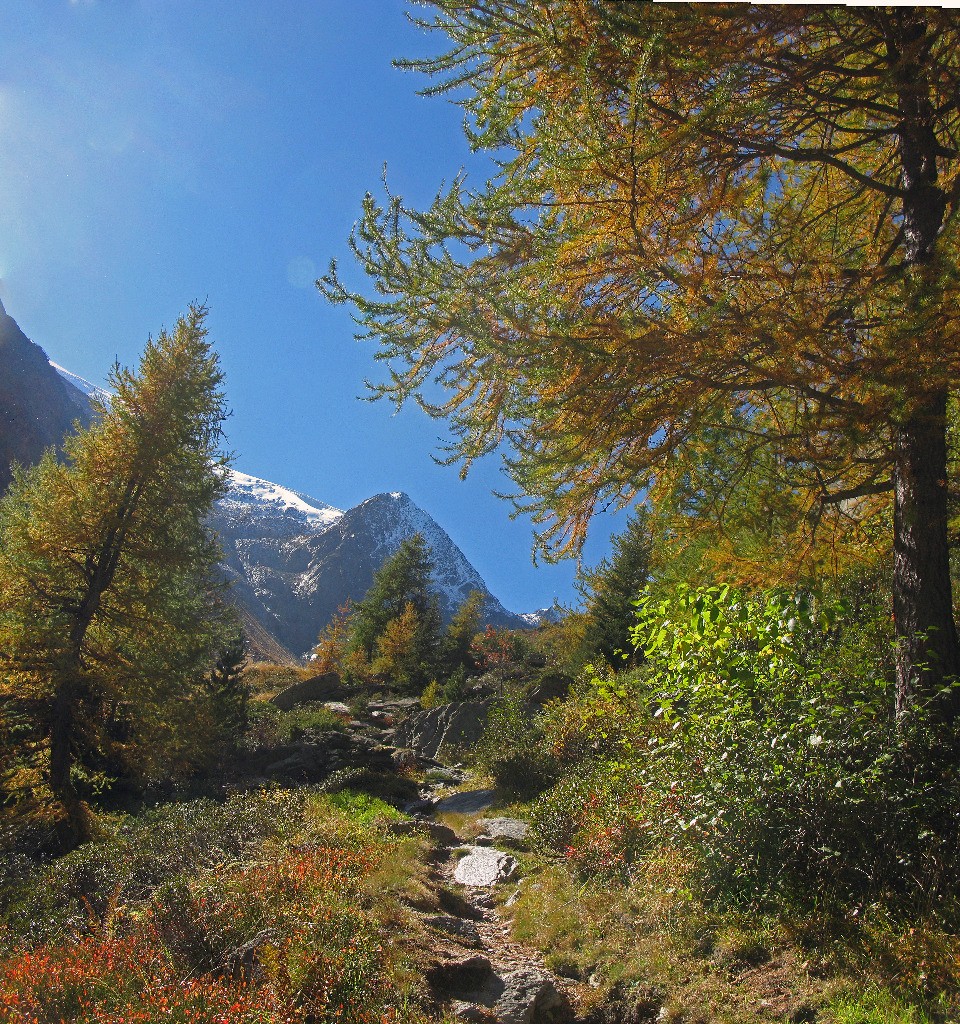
269 726
598 816
785 773
513 748
758 744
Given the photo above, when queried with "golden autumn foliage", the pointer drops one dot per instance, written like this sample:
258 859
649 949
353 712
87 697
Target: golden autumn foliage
718 255
109 607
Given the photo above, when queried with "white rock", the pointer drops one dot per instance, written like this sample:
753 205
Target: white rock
484 866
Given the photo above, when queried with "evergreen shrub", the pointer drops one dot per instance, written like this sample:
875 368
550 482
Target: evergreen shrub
513 750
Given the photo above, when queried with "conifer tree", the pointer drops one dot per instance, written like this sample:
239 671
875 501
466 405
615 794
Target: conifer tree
611 588
333 642
733 217
229 693
400 655
402 580
108 605
458 637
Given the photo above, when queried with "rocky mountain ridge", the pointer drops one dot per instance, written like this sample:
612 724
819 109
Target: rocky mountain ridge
38 406
293 560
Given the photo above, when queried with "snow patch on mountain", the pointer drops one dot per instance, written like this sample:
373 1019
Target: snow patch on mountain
82 385
543 616
256 507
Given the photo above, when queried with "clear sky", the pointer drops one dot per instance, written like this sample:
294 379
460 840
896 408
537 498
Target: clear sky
156 152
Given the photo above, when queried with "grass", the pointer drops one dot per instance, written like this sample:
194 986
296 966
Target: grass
269 726
875 1007
653 941
276 907
266 680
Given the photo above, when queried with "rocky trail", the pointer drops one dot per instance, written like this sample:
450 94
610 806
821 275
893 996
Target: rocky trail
479 973
475 971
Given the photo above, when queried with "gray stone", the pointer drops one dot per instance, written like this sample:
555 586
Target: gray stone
470 1013
459 976
512 829
468 802
337 707
441 834
300 762
443 777
552 686
419 806
441 729
484 866
531 997
309 691
458 926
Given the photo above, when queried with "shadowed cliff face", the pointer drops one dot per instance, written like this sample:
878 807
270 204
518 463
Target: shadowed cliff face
37 407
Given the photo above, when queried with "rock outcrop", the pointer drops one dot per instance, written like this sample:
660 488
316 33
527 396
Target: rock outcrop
309 691
442 729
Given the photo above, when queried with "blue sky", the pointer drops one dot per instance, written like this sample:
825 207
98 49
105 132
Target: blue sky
156 152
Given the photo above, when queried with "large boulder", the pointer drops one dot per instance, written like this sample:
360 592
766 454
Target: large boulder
442 729
530 996
468 801
510 830
316 689
484 866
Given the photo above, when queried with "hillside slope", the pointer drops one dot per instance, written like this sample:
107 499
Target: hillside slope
37 405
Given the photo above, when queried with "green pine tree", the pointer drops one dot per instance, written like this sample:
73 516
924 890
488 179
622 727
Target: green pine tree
467 621
611 588
229 692
109 616
403 580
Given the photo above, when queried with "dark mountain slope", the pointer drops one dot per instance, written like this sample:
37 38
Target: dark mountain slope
37 406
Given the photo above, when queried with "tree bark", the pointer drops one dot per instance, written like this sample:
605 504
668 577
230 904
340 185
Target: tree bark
927 650
76 824
927 653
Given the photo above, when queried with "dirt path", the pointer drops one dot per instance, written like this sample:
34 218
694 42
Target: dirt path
484 975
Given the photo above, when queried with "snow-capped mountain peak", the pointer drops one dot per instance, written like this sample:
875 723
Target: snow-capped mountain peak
253 506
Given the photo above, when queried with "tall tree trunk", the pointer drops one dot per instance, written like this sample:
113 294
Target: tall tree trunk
76 824
927 655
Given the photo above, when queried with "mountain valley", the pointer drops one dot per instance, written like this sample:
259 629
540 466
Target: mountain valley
292 560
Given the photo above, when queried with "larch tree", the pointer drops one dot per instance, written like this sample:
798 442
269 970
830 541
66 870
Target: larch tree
109 607
705 218
457 641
